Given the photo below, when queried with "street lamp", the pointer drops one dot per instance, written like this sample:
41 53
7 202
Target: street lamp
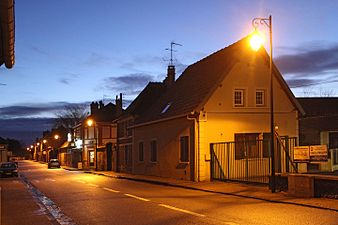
254 42
91 122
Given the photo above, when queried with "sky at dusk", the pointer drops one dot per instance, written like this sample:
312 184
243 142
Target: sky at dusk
78 51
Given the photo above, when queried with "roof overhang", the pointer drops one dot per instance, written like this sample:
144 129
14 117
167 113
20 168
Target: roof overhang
7 36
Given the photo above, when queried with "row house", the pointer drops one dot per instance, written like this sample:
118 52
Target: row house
95 138
142 102
168 129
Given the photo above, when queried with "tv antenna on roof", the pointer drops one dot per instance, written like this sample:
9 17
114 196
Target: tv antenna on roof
171 51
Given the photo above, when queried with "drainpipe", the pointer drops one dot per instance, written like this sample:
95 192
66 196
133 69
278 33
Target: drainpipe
195 116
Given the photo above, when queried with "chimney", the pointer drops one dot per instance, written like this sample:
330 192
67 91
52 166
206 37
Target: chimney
118 103
93 108
170 79
101 105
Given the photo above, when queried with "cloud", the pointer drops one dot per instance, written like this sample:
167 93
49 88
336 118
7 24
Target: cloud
25 129
33 110
64 81
315 60
38 50
310 65
128 84
97 59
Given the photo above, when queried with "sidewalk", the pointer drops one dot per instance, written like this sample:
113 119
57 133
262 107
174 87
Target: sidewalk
18 206
227 188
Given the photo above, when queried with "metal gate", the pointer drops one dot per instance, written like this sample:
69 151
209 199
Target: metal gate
250 161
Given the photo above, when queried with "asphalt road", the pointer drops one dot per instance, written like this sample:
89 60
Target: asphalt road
73 197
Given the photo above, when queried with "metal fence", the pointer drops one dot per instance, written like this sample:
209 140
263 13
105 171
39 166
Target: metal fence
250 161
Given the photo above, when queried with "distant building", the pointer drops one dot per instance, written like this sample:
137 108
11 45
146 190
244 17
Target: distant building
95 142
3 153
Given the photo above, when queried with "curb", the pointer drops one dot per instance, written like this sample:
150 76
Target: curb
204 190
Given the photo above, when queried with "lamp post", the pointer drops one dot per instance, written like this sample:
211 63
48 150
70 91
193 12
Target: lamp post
268 22
90 123
56 138
42 149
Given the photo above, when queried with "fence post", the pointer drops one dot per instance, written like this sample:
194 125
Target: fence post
287 150
246 146
211 163
0 205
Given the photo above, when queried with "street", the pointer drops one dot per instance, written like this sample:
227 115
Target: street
73 197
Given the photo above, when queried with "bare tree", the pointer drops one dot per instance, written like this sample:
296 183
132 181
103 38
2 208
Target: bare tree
321 92
308 92
326 92
70 116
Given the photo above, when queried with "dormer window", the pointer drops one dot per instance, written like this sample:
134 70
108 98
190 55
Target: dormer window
166 108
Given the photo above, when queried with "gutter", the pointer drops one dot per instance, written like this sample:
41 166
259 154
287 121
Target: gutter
195 116
7 29
158 121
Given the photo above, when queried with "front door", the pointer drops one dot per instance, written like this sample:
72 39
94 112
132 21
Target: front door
91 158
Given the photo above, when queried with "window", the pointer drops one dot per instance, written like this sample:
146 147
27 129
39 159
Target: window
246 146
128 155
153 151
165 109
260 97
140 152
266 145
239 97
105 132
333 140
184 149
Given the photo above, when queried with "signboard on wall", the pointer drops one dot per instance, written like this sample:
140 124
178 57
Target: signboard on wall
312 153
301 153
318 153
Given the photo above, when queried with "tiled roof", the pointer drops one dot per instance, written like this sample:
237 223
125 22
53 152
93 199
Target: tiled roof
7 33
145 99
199 80
319 106
193 87
105 114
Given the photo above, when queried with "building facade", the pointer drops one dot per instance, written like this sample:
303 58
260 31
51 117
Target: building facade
223 97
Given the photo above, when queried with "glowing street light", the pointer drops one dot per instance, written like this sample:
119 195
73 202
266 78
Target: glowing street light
90 122
44 141
56 136
255 40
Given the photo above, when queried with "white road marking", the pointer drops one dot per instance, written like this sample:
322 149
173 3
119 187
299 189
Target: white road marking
136 197
181 210
111 190
93 185
36 181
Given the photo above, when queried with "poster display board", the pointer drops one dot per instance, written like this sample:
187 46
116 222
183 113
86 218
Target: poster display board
312 153
318 153
301 153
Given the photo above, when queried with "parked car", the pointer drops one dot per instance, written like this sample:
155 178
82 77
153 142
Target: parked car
8 169
54 163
